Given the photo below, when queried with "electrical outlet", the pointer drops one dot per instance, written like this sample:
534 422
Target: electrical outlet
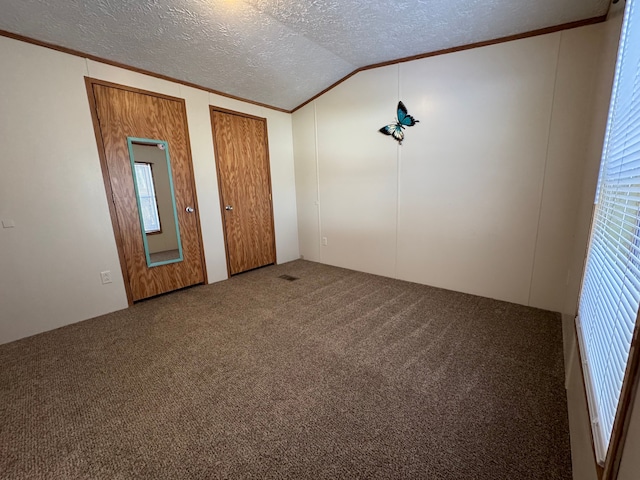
106 276
325 242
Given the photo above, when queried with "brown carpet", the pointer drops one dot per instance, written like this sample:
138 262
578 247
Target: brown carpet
338 374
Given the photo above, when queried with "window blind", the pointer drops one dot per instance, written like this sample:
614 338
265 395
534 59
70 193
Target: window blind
610 295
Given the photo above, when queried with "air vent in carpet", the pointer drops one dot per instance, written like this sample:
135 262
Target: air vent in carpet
289 278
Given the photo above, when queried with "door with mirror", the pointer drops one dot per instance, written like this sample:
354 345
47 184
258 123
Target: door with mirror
146 161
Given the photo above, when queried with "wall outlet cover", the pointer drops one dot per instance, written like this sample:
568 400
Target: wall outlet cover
106 276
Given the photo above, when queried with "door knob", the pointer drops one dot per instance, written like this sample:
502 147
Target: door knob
228 207
189 210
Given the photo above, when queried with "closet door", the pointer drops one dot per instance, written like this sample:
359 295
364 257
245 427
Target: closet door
244 179
147 161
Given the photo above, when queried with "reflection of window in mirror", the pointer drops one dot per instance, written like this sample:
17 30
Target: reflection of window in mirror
148 200
151 169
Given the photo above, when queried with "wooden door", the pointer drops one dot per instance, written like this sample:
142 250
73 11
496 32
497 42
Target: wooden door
244 179
121 113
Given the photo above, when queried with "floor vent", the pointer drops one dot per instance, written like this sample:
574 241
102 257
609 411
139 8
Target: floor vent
288 278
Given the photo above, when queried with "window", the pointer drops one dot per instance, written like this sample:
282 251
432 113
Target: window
147 195
610 293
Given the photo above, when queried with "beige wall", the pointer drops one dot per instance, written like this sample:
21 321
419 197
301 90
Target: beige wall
51 186
483 195
581 443
630 465
582 451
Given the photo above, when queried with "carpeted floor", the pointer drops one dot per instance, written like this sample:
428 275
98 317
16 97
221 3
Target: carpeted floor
338 374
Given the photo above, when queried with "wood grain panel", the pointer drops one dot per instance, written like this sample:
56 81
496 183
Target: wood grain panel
124 113
244 178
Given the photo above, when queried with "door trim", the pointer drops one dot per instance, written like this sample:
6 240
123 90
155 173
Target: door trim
213 109
89 83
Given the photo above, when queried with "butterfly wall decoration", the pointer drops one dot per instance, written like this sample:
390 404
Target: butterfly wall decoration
396 130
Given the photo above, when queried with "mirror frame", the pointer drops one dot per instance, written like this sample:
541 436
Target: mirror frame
147 141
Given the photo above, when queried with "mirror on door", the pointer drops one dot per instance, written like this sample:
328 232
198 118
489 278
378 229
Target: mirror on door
151 169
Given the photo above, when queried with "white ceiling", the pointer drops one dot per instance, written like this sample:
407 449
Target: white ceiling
277 52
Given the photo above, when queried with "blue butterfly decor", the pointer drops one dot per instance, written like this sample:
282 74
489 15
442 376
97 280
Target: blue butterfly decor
396 130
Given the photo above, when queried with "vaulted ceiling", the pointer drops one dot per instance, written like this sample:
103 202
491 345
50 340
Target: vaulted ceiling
276 52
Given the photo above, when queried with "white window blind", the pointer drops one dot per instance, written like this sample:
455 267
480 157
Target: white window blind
147 196
610 293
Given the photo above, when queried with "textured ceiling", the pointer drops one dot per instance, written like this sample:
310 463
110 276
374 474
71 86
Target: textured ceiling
276 52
